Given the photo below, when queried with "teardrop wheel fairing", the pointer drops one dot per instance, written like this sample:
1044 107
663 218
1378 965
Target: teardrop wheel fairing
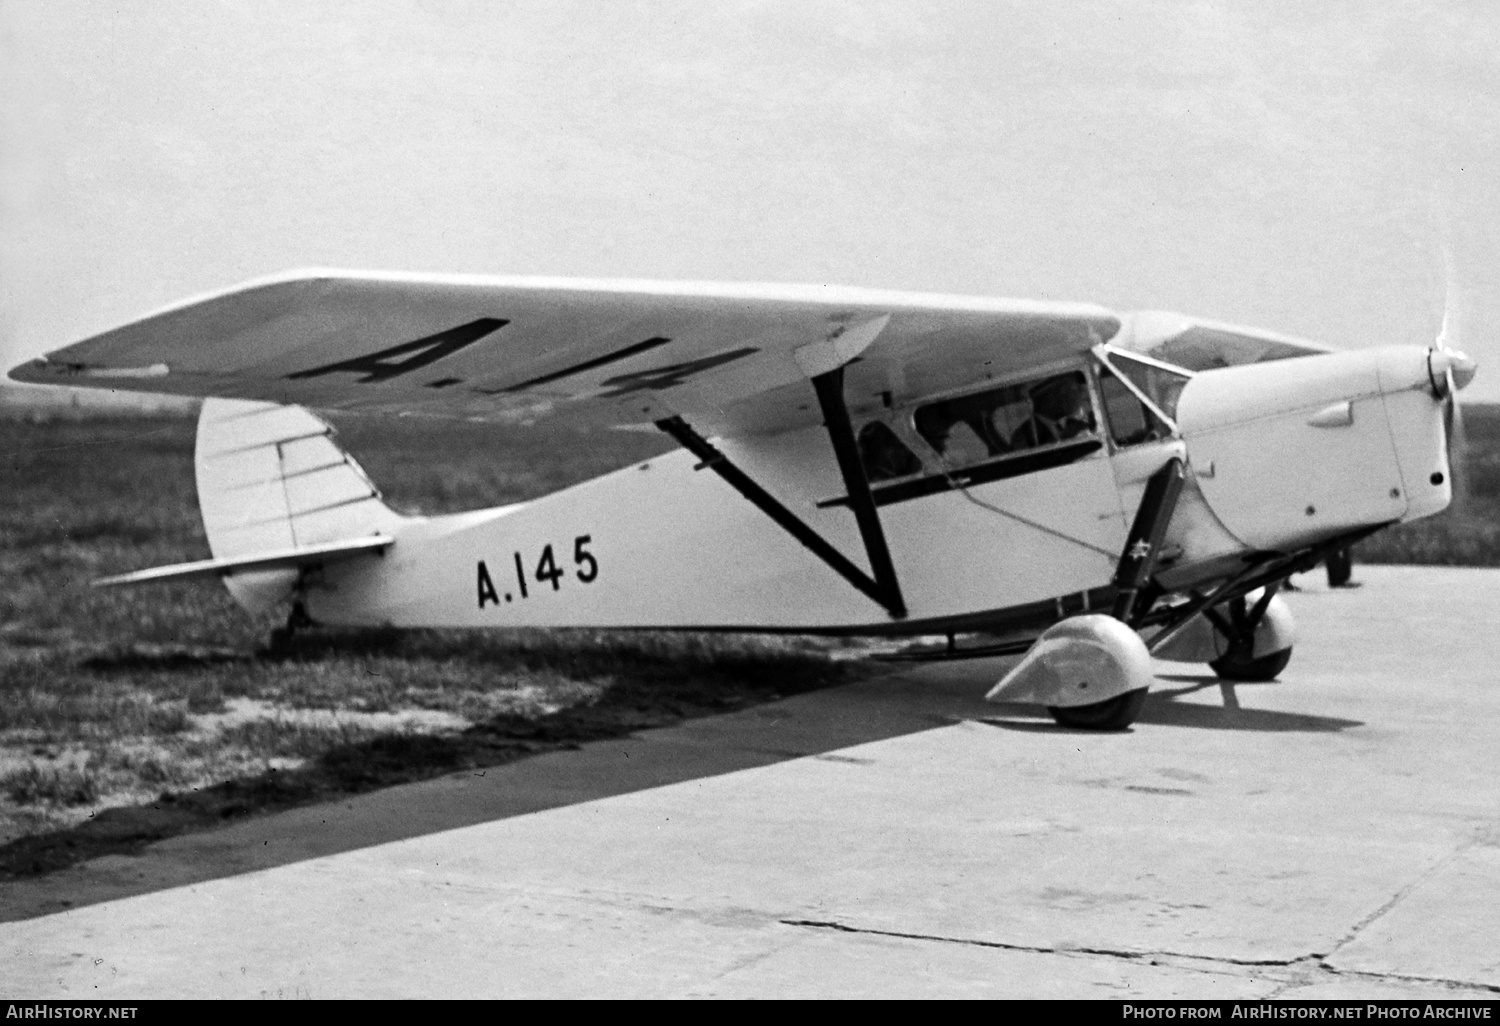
1112 714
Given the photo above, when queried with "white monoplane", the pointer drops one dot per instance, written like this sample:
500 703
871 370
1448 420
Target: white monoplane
1089 486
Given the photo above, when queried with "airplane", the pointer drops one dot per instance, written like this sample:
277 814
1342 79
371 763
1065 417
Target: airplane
1086 487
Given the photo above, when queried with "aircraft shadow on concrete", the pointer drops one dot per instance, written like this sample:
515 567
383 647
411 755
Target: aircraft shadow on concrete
1163 708
613 750
551 772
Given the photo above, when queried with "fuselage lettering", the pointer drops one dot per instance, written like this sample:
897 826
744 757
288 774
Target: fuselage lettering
586 571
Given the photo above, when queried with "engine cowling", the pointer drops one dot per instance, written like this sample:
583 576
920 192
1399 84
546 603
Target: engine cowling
1292 452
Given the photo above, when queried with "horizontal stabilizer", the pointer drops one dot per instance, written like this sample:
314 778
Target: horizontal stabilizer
308 555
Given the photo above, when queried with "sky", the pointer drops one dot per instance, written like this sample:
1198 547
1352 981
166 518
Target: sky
1322 169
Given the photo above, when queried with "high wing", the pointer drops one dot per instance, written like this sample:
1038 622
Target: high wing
733 358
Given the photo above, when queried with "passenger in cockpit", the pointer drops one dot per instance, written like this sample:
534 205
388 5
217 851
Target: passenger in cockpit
884 455
1060 410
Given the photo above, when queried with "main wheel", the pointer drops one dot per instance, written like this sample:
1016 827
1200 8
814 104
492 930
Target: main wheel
1112 714
1237 667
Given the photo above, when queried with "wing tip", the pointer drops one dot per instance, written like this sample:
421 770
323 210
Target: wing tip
32 372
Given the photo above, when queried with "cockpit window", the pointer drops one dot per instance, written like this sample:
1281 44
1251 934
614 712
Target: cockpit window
970 428
1131 422
884 455
1161 386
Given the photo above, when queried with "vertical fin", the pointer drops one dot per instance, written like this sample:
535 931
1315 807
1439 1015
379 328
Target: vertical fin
272 477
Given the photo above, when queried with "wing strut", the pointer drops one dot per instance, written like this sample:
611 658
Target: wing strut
882 587
830 389
1143 545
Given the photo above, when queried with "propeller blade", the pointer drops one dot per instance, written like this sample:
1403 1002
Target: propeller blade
1457 370
1458 451
1448 334
1449 368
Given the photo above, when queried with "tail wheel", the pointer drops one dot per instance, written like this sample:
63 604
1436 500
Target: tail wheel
1340 566
1236 666
1112 714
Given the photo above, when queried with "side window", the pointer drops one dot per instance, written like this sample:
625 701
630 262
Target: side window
965 429
971 428
1131 422
1060 410
884 455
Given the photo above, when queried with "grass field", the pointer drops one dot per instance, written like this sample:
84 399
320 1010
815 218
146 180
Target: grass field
167 698
110 699
1468 532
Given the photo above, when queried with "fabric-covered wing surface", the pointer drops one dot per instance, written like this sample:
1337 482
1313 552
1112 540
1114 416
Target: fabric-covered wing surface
733 358
1198 344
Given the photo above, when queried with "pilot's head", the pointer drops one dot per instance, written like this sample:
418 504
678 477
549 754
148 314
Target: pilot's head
1058 398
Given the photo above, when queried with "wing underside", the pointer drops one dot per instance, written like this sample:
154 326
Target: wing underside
733 358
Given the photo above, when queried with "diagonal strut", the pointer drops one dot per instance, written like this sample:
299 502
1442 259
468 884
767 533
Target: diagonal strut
883 586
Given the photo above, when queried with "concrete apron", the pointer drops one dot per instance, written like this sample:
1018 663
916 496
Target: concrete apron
1336 834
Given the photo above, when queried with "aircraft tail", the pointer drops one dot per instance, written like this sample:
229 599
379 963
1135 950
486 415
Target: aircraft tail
272 480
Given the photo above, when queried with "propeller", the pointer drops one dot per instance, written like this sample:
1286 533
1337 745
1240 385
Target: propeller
1449 369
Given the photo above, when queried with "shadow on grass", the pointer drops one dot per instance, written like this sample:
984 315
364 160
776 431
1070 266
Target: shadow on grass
658 680
166 658
574 649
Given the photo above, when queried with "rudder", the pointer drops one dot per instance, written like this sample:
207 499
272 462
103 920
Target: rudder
272 477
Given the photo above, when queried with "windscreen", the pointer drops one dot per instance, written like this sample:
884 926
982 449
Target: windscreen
1131 422
1163 387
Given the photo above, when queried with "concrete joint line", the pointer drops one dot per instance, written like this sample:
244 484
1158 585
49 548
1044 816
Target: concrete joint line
1313 961
1360 974
819 924
1397 898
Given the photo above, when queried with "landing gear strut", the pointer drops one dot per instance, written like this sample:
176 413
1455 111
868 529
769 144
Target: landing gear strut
1132 599
296 620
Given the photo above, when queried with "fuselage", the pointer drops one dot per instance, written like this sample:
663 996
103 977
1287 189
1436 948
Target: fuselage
1005 502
